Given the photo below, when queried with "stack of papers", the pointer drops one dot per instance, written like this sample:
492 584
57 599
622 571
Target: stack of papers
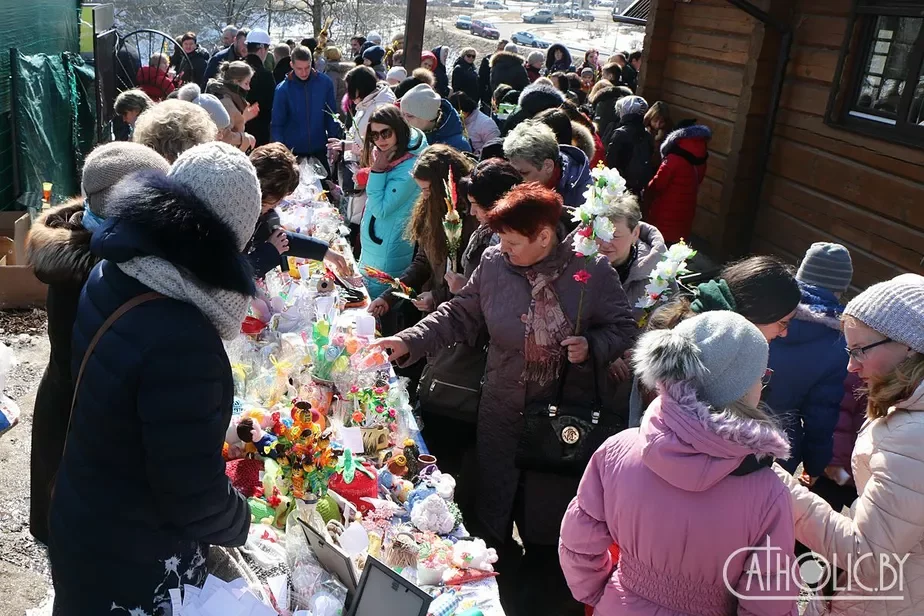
218 598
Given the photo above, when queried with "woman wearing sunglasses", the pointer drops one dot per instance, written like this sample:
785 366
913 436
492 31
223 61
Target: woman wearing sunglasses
389 151
884 329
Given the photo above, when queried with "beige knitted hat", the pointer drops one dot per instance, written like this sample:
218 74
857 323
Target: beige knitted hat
109 163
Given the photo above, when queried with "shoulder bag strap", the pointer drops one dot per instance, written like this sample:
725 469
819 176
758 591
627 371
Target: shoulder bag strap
560 394
115 316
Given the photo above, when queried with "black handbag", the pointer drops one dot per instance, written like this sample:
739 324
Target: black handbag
451 382
559 437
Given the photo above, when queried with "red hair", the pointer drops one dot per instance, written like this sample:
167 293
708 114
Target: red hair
526 210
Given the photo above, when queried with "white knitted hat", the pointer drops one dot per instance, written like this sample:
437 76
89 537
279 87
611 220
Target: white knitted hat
894 308
222 177
421 102
193 94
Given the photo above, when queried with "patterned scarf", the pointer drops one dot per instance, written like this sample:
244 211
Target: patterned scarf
546 327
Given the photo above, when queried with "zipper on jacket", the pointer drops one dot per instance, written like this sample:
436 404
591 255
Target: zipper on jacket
308 115
434 383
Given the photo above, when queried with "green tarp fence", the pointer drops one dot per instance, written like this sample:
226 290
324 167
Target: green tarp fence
52 110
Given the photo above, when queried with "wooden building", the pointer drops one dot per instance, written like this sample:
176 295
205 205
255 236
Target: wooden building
844 161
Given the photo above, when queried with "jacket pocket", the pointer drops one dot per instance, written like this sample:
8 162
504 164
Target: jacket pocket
372 236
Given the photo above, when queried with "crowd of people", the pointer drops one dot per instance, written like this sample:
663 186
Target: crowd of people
764 363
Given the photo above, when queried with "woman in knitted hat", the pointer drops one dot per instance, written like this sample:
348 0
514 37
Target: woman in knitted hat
884 329
141 491
689 497
59 252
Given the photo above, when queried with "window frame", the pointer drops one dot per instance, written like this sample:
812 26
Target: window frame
858 42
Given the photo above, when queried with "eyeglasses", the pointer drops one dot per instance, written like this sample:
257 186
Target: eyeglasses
860 353
784 325
765 379
385 133
470 55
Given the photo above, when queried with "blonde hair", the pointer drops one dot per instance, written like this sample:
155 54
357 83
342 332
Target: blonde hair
159 60
172 127
234 72
887 390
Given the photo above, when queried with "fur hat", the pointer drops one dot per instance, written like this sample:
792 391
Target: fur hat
894 308
109 163
720 352
421 102
193 94
224 179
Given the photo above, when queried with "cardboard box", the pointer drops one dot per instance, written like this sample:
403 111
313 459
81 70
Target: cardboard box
19 288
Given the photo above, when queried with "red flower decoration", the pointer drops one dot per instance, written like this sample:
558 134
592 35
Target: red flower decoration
585 232
582 276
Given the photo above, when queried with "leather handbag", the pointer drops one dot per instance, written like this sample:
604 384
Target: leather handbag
451 382
559 437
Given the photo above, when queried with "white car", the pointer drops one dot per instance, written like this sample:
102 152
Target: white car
495 5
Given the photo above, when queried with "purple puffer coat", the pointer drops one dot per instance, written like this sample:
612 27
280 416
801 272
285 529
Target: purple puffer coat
666 495
498 296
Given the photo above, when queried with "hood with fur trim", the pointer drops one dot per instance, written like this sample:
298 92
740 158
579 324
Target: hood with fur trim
564 64
58 247
693 448
508 68
693 139
152 215
583 139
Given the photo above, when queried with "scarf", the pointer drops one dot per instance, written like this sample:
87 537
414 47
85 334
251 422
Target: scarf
546 327
624 269
482 237
225 309
712 295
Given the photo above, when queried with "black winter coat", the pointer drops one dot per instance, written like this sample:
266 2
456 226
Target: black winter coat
629 151
282 69
141 490
193 69
508 68
262 91
484 83
442 79
228 54
59 252
465 79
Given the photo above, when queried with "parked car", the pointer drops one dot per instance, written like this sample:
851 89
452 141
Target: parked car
462 4
585 15
606 3
566 10
485 29
495 5
539 16
528 39
464 22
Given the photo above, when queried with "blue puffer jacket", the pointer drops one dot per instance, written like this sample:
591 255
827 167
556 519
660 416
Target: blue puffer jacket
390 198
809 367
575 175
141 489
449 130
303 113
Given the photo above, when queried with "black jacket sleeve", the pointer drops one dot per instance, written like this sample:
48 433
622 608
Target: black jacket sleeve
183 430
305 247
264 258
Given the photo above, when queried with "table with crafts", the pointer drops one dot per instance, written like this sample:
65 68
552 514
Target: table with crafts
323 443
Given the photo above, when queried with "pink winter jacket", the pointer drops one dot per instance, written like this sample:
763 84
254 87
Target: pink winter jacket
665 494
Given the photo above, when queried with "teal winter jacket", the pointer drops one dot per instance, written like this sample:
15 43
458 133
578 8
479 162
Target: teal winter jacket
390 198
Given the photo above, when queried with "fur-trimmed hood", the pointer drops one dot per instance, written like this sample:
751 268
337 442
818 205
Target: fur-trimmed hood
693 448
501 58
583 139
58 247
150 214
561 65
683 137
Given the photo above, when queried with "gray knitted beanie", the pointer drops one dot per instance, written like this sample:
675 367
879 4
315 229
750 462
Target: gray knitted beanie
109 163
826 265
720 351
193 94
223 178
894 308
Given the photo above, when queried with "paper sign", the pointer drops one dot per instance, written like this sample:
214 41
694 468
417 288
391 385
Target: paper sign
223 603
190 595
353 439
279 586
354 540
365 325
176 602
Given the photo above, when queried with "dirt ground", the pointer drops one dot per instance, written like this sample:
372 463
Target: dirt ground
24 574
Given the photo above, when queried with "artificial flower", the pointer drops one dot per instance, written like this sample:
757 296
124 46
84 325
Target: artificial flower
603 229
585 246
582 276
